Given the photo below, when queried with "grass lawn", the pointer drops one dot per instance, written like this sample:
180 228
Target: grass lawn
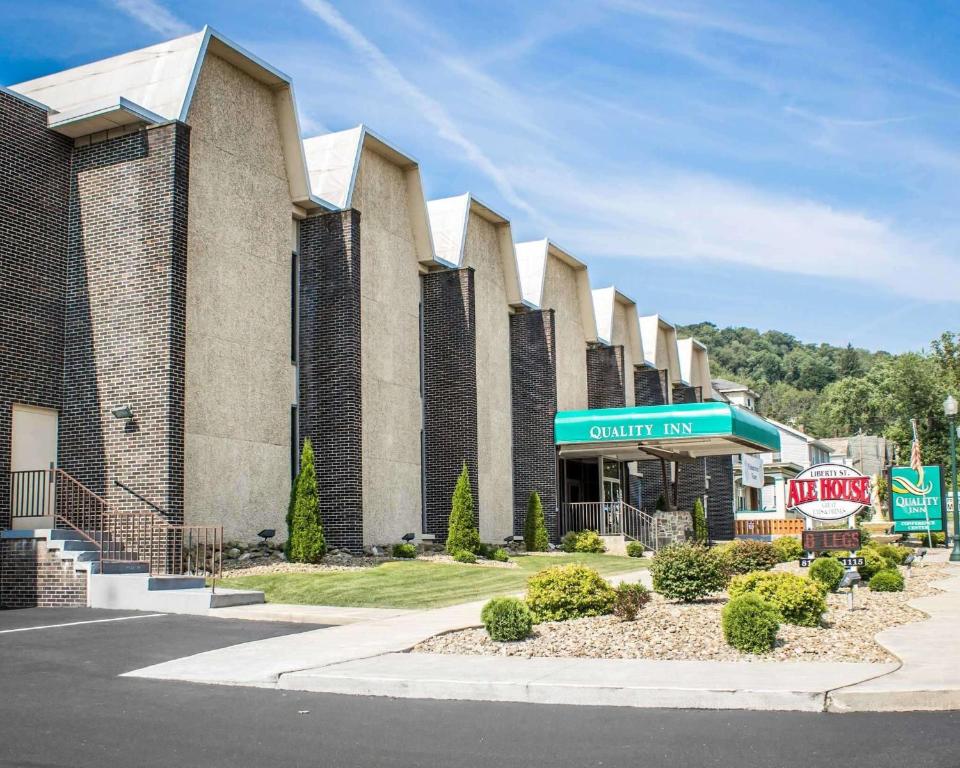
417 583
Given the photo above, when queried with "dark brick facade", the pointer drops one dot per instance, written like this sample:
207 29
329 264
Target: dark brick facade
34 189
533 382
720 514
330 408
33 576
449 360
686 394
649 386
126 315
605 377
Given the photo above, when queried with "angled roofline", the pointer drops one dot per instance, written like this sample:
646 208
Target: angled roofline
25 99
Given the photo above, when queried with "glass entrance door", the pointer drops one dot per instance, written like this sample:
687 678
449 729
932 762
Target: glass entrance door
611 481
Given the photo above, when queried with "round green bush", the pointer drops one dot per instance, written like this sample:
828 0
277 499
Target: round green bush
939 538
887 580
799 600
464 556
788 548
635 549
750 623
688 572
582 541
865 536
568 592
628 600
746 556
872 562
506 619
828 571
500 555
893 554
404 550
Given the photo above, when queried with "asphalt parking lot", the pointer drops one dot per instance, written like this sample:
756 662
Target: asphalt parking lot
63 704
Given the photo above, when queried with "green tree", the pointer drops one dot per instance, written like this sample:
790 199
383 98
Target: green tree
849 363
305 542
535 537
462 533
700 532
848 406
946 353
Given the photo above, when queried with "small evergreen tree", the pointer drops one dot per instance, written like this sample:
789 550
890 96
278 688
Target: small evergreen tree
700 533
535 537
305 542
661 503
462 533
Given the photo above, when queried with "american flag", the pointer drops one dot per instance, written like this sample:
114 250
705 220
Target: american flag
916 462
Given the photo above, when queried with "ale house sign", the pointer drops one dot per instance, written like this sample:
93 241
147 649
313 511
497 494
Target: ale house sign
828 492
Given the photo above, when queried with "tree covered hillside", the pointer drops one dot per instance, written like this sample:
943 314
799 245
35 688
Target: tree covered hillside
836 391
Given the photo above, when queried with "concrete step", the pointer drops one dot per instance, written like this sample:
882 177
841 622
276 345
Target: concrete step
119 567
134 592
176 582
73 545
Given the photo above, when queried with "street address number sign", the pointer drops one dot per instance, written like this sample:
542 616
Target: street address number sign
828 492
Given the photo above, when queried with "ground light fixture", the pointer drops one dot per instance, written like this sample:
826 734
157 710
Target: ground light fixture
408 537
123 412
908 561
267 533
950 411
849 582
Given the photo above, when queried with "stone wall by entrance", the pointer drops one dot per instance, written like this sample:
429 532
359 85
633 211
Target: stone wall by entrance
672 526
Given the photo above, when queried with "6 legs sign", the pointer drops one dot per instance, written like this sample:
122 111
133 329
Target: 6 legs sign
828 492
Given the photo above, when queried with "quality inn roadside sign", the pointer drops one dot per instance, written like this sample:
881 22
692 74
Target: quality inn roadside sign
828 492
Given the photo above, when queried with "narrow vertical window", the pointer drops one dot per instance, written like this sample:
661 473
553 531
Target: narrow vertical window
294 443
294 303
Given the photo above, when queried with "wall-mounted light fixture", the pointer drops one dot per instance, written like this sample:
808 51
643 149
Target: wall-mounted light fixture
124 412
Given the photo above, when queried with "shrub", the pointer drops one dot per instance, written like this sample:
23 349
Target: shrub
865 535
500 555
506 619
798 600
893 553
486 550
750 623
462 534
535 526
939 538
582 541
828 571
700 532
568 592
887 580
746 556
872 562
687 572
628 600
635 549
787 548
464 556
305 542
404 550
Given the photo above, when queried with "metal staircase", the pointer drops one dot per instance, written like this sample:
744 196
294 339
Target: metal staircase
614 518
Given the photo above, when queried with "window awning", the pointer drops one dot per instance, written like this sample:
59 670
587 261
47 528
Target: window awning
677 432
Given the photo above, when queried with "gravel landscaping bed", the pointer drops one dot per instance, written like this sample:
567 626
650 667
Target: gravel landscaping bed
668 630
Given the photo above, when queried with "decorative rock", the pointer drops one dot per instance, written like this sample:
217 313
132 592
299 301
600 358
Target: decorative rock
233 553
245 556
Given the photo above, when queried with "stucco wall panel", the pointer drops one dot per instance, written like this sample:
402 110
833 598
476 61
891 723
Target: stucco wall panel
494 423
622 335
239 378
390 364
561 293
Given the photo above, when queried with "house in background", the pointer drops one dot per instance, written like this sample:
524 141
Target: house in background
868 454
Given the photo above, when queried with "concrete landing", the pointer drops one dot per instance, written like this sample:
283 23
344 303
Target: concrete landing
175 594
799 686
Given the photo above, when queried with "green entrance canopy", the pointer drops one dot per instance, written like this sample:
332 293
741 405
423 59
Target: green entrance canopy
679 431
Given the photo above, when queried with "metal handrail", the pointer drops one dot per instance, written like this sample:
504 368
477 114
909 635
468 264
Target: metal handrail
146 501
610 518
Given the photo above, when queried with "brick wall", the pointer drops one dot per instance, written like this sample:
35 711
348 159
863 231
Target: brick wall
33 576
605 382
720 515
449 357
685 394
125 315
330 410
649 386
533 382
34 187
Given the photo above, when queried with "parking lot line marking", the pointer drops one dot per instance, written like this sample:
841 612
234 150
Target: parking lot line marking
78 623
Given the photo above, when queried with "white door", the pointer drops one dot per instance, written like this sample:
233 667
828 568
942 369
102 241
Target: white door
33 448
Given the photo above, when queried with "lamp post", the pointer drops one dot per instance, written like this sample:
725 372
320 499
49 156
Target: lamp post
950 409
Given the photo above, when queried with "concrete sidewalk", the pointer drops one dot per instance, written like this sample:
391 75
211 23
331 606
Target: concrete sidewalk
929 676
306 614
798 686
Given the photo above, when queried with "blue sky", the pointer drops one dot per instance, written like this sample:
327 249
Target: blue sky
772 164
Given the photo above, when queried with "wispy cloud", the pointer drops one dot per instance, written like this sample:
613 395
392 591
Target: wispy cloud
430 109
153 15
